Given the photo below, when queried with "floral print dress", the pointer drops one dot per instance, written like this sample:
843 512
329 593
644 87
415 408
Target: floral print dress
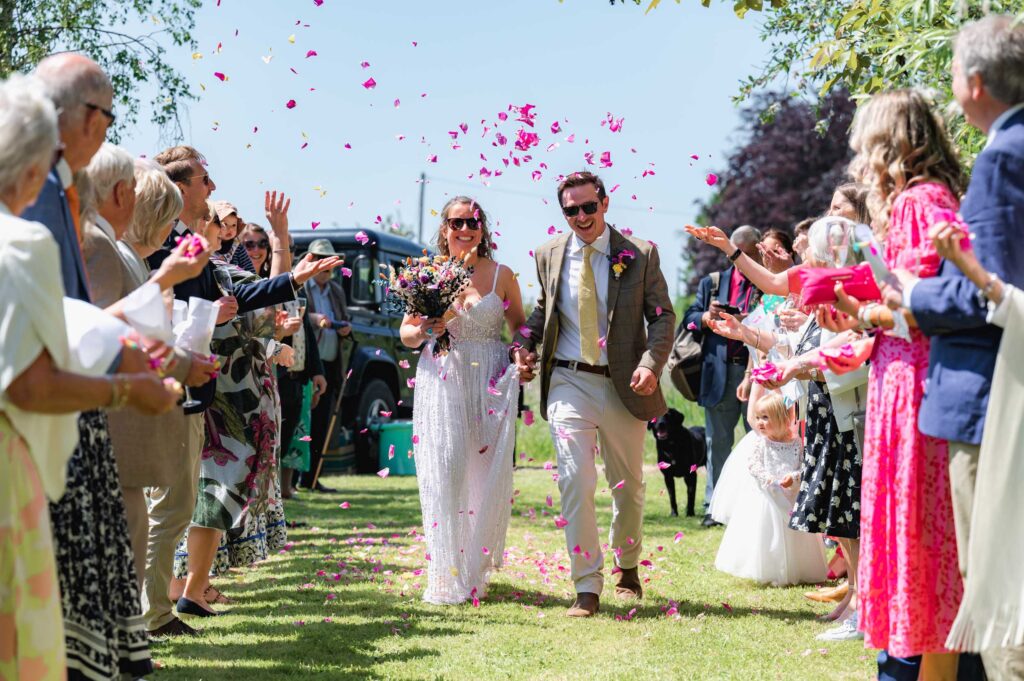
239 490
910 586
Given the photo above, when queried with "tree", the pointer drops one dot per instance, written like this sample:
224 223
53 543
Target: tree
786 170
30 31
741 7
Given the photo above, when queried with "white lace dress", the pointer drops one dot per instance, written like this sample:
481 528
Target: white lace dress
464 420
758 543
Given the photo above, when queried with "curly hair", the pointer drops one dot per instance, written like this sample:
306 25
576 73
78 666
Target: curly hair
484 249
900 141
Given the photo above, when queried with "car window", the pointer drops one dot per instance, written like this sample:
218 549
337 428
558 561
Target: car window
362 288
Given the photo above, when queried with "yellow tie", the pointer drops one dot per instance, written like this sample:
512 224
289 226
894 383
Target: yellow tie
588 311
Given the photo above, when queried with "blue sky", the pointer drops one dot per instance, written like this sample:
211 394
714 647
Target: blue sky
669 75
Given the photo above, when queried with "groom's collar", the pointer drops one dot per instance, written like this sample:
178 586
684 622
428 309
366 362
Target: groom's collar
602 244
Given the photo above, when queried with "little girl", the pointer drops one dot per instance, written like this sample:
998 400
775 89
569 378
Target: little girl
754 497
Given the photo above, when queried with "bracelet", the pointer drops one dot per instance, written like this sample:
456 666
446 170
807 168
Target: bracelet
120 390
279 250
735 255
993 279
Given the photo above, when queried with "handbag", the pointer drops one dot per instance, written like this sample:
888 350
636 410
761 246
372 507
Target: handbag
686 360
818 284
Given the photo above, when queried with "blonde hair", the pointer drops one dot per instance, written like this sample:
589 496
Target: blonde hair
780 417
484 248
157 202
900 141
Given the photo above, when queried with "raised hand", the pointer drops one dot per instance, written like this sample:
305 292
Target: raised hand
276 208
308 267
180 267
712 236
727 326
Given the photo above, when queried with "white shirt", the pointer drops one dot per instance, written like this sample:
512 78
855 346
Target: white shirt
999 122
67 178
568 347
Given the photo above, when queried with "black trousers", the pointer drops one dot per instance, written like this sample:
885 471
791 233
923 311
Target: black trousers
290 390
321 418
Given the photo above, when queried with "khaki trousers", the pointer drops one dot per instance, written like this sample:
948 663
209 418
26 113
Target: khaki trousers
1001 664
138 528
584 412
170 512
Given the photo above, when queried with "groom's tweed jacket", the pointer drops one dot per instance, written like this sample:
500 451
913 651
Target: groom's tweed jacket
641 322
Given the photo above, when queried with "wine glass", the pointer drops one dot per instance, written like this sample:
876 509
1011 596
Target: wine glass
224 281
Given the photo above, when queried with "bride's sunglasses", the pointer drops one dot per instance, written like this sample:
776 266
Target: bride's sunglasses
458 224
590 207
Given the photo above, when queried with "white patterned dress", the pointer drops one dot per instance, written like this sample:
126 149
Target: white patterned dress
464 421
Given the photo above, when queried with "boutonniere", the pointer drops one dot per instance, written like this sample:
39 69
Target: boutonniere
620 261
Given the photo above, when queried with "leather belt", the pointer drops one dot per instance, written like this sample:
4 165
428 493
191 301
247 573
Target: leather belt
573 365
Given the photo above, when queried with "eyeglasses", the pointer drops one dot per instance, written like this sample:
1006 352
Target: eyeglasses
590 207
251 245
106 112
463 223
206 181
58 154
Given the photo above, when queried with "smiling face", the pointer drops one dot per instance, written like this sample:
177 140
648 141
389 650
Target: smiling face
464 240
257 246
584 198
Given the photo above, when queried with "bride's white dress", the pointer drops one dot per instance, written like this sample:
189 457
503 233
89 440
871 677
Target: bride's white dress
758 543
464 420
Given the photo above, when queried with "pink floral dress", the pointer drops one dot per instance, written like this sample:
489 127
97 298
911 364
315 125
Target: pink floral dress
910 586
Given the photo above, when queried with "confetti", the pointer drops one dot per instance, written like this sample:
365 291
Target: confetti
370 83
711 179
384 472
290 104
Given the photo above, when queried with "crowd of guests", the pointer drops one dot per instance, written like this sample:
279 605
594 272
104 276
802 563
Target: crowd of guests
902 411
113 521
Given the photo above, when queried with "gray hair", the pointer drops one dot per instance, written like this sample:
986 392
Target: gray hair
28 129
157 202
830 242
993 48
70 80
745 235
108 167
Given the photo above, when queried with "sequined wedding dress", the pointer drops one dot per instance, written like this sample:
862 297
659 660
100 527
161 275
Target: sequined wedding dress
464 421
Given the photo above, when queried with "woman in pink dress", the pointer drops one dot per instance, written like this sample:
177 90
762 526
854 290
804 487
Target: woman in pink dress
910 587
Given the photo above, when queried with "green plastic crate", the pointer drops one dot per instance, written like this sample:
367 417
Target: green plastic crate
399 435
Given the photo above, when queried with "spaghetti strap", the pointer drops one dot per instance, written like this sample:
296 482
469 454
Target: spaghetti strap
498 270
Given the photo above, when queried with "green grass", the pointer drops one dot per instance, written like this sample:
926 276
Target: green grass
290 620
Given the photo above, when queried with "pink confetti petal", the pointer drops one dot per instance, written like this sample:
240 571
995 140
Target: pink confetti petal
311 53
384 472
711 179
219 76
560 522
527 417
391 452
679 537
370 83
305 438
362 238
619 485
664 465
290 104
344 504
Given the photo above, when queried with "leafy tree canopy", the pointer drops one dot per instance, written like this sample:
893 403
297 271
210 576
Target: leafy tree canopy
32 30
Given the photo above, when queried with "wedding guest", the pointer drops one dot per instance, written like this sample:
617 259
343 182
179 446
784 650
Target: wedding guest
142 460
230 225
724 361
988 60
328 312
238 467
39 404
466 414
103 632
256 245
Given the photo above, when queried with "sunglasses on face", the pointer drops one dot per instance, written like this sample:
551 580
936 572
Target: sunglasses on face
205 176
590 207
252 245
463 223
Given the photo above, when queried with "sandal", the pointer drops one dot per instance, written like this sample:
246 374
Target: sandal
218 597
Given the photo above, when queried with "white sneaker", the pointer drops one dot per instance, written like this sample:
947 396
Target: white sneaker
846 631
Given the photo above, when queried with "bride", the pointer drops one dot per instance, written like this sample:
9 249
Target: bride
465 414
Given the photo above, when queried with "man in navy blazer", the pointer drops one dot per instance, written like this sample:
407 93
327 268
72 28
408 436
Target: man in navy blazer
83 95
988 83
724 361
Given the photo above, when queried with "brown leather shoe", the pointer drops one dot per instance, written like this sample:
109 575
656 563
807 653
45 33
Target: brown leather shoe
173 628
586 605
628 585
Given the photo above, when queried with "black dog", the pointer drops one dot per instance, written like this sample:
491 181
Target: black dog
684 450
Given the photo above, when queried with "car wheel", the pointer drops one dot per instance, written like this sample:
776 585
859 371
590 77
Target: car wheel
374 398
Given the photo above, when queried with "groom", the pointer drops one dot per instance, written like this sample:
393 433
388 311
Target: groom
603 323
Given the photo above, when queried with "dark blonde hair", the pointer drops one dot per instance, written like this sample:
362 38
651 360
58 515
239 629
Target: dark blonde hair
900 141
774 405
484 248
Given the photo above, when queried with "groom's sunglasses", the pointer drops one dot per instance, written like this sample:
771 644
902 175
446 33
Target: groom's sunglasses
463 223
590 207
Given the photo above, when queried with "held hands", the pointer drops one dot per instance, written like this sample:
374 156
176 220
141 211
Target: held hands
308 267
643 382
227 309
712 236
526 362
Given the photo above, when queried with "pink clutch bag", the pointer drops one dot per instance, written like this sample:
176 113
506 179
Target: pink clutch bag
819 284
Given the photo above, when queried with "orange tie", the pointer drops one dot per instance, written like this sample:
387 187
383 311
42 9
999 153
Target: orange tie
75 205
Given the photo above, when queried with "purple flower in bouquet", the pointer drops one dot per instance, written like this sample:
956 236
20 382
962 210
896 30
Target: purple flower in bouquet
427 287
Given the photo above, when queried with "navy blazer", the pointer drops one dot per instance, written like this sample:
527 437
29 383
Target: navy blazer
253 296
947 307
51 209
715 371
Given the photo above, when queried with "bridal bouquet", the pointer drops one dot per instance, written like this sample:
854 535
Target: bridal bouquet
427 286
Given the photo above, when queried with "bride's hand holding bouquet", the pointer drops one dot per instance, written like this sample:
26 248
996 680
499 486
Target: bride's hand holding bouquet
427 287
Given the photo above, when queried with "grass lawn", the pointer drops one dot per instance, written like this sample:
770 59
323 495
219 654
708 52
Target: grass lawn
343 601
